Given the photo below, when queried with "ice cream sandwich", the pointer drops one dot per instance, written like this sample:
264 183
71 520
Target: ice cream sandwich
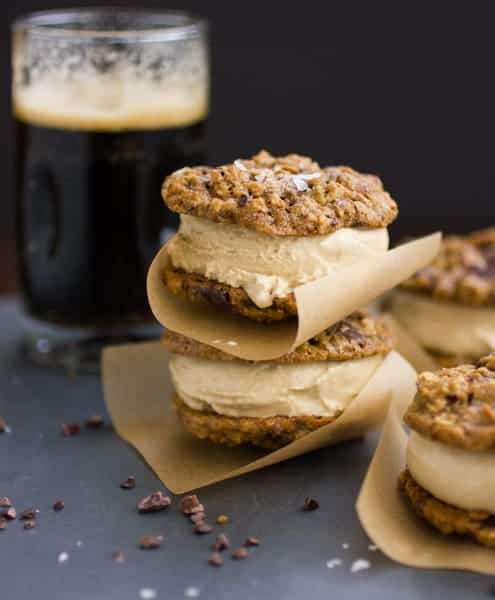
272 403
254 230
451 450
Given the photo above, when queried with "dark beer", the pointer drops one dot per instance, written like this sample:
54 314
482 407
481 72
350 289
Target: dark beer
107 102
90 217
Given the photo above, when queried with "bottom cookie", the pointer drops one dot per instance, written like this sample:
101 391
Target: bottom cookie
448 519
199 290
269 433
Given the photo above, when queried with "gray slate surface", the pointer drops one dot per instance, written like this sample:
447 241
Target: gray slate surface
38 465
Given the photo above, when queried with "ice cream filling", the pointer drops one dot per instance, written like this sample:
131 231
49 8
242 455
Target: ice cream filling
446 327
267 389
457 476
266 266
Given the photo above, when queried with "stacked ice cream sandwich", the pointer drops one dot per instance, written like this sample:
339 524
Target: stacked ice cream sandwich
449 306
250 233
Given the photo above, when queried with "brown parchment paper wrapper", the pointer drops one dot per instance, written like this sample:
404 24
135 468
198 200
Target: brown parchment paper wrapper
320 303
409 347
389 520
139 397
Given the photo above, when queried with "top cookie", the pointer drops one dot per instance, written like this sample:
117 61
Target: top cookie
285 195
457 406
357 336
463 272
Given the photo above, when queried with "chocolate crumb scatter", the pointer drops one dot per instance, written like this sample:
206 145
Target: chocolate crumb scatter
252 541
197 517
150 542
202 528
3 523
222 519
70 429
95 422
221 543
29 524
190 504
154 503
129 483
310 504
119 556
3 425
240 554
215 560
197 509
5 502
28 514
10 514
58 505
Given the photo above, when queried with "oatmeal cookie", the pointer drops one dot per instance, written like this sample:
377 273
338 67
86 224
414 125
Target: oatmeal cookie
357 336
457 406
199 290
283 196
448 519
269 432
463 272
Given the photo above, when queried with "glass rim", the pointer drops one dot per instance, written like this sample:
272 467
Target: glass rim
59 24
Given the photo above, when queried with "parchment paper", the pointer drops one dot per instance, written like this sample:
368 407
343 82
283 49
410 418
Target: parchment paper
409 347
390 521
320 303
139 394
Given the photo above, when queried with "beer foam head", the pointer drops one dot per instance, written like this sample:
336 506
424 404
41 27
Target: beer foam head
109 87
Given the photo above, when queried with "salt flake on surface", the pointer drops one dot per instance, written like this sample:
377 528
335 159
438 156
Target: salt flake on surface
372 548
360 565
334 562
63 557
147 593
345 546
191 592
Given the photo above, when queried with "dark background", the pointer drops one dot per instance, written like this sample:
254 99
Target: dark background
403 89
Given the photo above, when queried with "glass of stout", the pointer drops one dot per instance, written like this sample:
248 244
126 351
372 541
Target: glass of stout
107 102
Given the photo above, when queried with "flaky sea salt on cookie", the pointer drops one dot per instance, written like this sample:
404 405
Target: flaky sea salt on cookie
254 230
272 403
449 306
451 450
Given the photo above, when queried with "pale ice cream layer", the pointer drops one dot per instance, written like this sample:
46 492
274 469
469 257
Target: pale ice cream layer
457 476
266 266
446 327
245 389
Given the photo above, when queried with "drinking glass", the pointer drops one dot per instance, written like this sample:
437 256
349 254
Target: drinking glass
106 103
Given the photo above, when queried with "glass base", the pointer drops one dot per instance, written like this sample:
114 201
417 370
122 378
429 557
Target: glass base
77 351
